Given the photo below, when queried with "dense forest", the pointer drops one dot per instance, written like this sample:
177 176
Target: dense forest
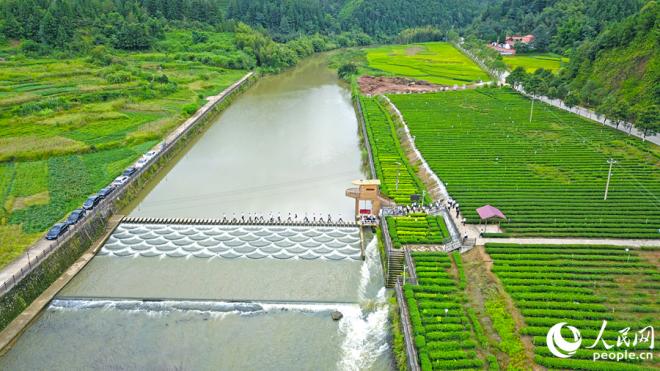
612 45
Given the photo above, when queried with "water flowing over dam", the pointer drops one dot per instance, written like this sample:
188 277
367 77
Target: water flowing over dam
218 296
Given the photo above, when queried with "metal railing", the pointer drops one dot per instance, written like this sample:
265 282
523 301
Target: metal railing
363 125
410 265
413 362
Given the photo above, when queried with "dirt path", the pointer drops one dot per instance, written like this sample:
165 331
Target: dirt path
484 285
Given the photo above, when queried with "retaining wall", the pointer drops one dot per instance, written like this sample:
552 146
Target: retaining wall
30 274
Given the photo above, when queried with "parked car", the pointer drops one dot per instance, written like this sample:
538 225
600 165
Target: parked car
56 231
129 171
92 201
75 216
141 162
122 179
104 192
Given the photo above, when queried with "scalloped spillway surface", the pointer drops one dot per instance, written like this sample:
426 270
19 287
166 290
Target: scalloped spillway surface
234 241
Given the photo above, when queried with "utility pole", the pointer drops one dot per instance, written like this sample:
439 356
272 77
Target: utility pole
611 161
531 111
398 173
423 196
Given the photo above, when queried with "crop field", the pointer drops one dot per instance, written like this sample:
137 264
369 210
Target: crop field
68 127
417 229
532 62
435 62
548 176
390 161
441 324
582 285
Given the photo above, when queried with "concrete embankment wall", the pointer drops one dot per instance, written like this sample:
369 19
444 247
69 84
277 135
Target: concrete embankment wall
32 274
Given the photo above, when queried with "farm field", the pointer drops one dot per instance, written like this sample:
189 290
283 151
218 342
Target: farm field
389 158
442 326
417 229
532 62
547 176
435 62
582 285
68 127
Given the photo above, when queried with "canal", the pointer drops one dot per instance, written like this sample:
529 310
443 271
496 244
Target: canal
153 298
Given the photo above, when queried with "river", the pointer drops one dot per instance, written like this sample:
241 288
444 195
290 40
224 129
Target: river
225 298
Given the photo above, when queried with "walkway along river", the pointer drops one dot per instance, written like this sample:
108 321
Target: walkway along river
227 297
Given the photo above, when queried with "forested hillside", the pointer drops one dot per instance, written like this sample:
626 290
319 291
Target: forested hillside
557 24
383 19
617 72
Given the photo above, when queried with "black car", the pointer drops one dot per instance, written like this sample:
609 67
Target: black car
56 231
75 216
106 191
129 171
92 201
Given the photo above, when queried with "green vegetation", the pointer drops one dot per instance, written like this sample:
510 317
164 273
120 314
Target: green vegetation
505 327
443 334
616 73
437 62
70 126
417 229
547 176
581 285
381 19
533 61
397 177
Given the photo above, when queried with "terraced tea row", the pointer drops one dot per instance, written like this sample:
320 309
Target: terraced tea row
398 179
547 176
582 286
443 334
417 229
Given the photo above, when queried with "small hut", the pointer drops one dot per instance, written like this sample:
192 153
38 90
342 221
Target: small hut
489 212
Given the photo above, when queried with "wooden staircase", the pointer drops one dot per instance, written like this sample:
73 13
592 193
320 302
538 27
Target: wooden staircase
395 261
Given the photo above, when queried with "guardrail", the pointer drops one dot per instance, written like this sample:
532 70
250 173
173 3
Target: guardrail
35 255
365 137
235 221
413 362
412 272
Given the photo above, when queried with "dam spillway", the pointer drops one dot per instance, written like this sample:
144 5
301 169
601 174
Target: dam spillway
212 296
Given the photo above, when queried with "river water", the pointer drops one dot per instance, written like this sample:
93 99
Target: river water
217 298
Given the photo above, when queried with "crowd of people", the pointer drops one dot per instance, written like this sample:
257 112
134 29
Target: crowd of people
272 219
400 210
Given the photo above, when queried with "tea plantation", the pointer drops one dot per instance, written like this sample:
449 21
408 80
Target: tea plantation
547 176
389 159
581 285
442 326
417 229
69 126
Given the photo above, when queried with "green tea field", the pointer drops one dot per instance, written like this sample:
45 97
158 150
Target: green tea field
68 127
389 159
435 62
583 286
547 176
532 62
444 328
417 229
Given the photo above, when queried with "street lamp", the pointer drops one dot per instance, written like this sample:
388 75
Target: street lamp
398 173
611 161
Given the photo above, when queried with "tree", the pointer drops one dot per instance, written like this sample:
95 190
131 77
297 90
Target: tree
347 70
647 120
199 37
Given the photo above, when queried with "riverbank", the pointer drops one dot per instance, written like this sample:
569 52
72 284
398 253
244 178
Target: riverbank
18 294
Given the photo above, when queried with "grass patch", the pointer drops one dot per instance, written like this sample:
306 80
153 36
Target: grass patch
532 62
435 62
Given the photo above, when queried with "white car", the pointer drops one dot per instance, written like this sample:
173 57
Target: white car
140 163
122 179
